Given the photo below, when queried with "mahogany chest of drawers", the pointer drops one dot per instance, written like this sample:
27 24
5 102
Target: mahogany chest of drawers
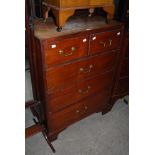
74 70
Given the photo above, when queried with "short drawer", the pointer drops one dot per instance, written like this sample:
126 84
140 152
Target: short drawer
62 76
61 51
101 42
76 112
67 96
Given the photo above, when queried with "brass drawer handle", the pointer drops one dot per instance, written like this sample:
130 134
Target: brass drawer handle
73 49
94 38
84 91
102 43
118 33
110 42
86 70
85 109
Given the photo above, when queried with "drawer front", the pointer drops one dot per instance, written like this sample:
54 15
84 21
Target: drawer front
71 73
104 41
81 90
65 50
76 112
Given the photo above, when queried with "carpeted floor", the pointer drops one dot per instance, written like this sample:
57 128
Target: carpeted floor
95 135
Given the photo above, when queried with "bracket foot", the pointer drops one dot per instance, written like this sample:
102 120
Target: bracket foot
59 29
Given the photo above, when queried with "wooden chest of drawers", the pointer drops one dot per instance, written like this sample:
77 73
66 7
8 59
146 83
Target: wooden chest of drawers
74 71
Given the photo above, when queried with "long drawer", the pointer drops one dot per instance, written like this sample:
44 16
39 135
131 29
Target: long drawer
78 111
62 76
67 96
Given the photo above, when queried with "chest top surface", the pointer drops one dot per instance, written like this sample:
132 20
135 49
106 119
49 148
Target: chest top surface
75 24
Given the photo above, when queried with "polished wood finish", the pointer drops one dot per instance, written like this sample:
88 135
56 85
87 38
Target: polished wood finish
110 11
69 4
71 94
101 42
78 111
74 84
70 73
61 17
63 9
79 3
61 51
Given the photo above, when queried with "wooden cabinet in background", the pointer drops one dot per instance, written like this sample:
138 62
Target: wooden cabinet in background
63 9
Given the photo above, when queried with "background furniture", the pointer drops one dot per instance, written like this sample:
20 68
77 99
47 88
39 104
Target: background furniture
63 9
29 49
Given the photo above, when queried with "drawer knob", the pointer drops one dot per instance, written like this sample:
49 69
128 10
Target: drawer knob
118 33
53 46
94 38
102 43
84 40
86 70
84 91
73 49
